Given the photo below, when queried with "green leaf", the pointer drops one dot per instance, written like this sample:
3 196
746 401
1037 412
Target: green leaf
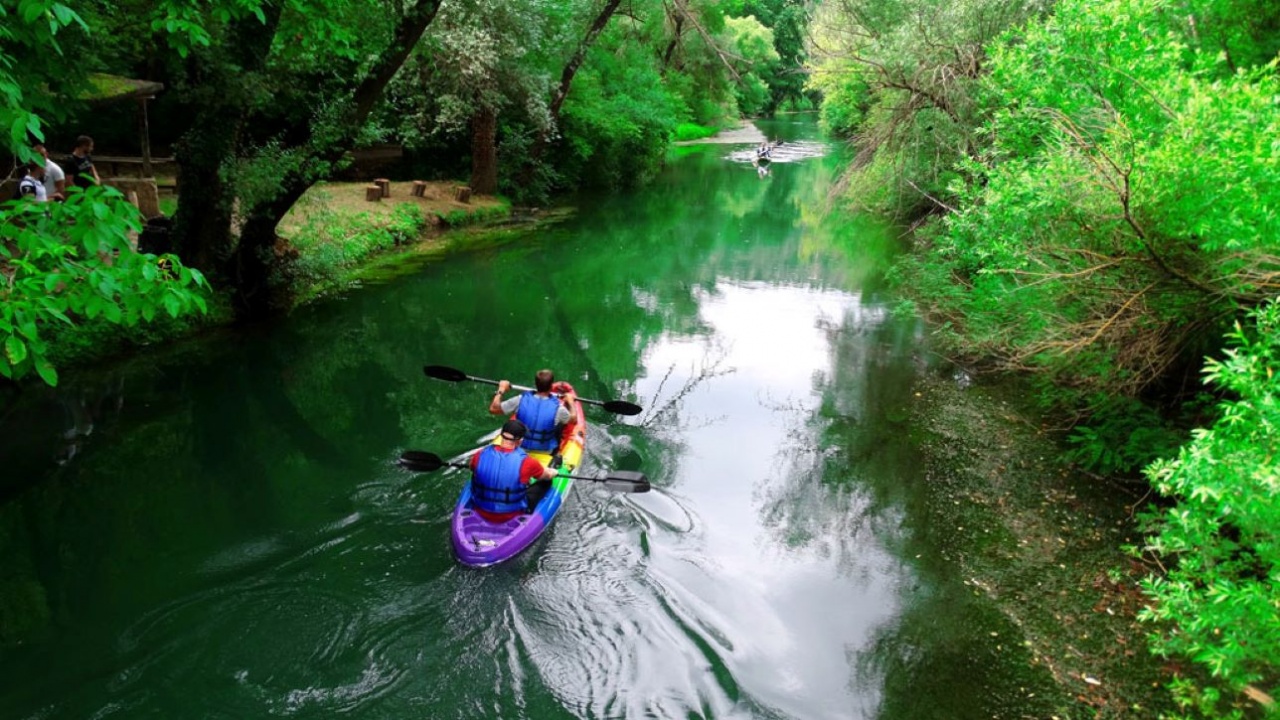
15 350
64 14
18 131
54 311
30 10
46 371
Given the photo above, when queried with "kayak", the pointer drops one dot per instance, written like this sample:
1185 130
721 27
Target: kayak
480 543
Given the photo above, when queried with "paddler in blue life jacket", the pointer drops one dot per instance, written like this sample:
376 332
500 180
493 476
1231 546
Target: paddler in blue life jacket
542 413
501 475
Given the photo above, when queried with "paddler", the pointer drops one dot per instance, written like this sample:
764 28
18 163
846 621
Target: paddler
501 475
541 411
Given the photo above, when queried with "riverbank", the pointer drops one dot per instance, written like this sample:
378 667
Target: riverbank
334 230
328 241
1040 543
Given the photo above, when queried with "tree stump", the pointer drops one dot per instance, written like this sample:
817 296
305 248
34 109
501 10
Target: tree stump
373 193
385 184
462 194
419 188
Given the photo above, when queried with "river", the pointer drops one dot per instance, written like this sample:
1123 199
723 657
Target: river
219 530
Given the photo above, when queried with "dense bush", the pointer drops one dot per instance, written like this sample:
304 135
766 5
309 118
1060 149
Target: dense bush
1216 603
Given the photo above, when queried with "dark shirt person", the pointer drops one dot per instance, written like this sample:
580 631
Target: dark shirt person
501 475
79 164
542 412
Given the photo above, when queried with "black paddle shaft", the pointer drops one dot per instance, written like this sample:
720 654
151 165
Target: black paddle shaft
620 480
443 372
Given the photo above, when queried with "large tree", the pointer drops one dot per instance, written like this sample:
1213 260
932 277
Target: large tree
277 95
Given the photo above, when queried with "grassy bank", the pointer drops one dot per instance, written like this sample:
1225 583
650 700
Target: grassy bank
1042 544
333 230
329 237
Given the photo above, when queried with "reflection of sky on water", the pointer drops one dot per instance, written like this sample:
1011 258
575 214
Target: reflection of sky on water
794 609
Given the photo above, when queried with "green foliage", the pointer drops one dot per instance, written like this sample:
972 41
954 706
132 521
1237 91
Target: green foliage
473 216
617 121
1118 214
904 78
787 21
30 59
693 131
846 97
1217 603
1242 33
72 262
753 44
330 243
1124 209
1121 436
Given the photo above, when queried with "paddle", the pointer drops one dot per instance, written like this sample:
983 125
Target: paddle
441 372
619 481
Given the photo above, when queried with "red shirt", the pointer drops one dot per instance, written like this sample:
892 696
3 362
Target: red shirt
530 470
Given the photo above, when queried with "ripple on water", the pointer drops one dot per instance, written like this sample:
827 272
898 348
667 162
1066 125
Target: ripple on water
287 638
663 509
584 621
794 151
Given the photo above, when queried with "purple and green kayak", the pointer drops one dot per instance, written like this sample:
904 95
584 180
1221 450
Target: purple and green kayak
479 543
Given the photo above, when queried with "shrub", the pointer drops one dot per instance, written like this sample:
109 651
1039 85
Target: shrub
1216 603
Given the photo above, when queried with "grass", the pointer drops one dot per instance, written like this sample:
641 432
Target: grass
693 131
346 199
333 229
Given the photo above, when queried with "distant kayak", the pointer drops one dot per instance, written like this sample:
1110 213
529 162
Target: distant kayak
479 543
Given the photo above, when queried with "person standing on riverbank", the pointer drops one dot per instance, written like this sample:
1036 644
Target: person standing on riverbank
80 163
31 186
55 180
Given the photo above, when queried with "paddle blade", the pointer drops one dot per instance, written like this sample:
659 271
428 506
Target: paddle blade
625 481
441 372
622 407
420 461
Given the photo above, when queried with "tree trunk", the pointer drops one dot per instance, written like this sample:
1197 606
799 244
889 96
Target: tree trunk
562 92
251 266
671 46
484 151
202 227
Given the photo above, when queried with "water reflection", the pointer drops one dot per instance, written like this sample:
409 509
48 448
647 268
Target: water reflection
234 535
780 535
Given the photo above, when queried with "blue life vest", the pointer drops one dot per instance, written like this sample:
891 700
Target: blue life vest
495 485
539 415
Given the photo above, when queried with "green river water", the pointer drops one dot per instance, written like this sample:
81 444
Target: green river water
218 530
